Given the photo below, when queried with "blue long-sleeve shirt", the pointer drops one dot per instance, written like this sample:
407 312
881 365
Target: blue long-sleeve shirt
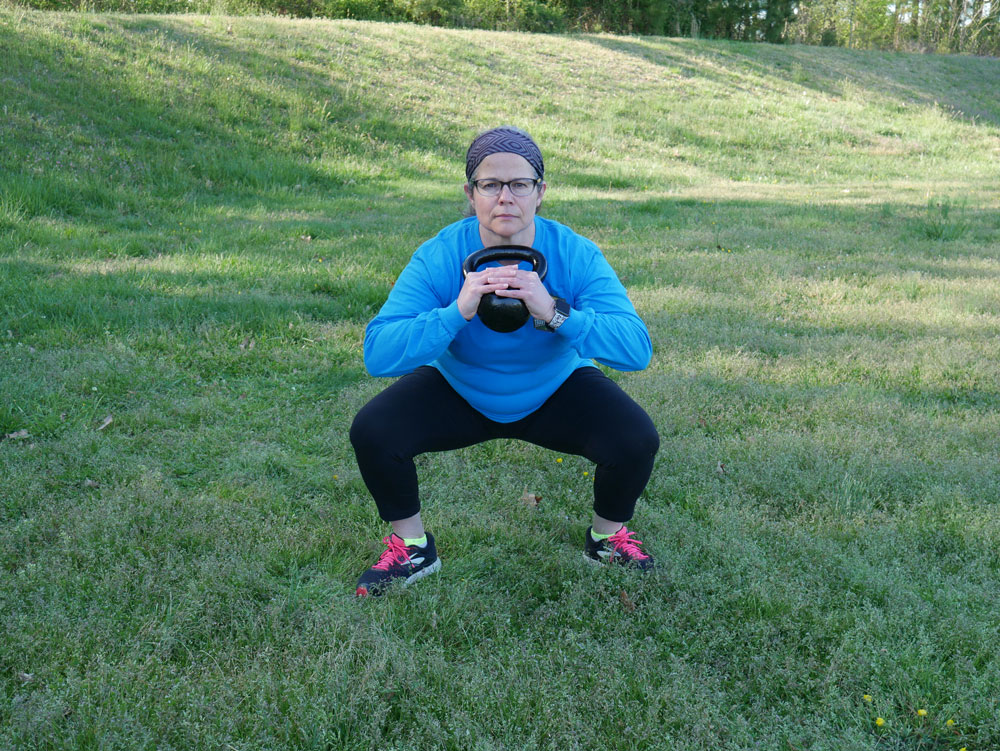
505 376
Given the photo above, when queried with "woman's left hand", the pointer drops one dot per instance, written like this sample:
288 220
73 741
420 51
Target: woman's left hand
527 287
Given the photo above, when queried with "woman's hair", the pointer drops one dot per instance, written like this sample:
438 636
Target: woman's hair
507 140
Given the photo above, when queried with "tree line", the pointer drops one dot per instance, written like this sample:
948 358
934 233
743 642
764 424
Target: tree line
944 26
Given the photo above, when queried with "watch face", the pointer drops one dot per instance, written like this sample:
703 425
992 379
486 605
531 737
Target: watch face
558 317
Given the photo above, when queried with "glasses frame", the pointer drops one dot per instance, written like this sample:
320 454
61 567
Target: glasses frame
535 182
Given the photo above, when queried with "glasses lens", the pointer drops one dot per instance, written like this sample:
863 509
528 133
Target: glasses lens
522 187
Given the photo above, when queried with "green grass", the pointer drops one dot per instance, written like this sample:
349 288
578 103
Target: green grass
198 215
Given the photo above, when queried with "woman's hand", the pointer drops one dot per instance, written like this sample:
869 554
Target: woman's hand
527 287
506 281
479 283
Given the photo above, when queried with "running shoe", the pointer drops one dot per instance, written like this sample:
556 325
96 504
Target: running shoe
620 548
398 563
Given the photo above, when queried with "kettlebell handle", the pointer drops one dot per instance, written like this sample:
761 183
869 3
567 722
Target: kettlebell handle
506 253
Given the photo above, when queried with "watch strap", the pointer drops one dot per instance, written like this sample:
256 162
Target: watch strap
558 318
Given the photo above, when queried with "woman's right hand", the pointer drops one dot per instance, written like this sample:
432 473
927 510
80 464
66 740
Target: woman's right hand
479 283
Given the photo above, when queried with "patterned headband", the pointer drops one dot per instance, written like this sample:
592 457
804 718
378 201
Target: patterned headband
503 140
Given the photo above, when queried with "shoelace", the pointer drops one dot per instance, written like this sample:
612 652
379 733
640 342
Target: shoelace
624 544
396 552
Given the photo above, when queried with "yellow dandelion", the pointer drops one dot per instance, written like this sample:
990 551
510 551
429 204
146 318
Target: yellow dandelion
585 473
336 477
879 721
867 698
921 713
559 460
950 723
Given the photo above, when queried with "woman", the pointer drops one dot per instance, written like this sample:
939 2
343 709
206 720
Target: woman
463 383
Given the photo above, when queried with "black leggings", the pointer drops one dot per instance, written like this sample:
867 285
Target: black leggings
588 415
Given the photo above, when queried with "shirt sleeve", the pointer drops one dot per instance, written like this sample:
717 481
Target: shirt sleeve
416 324
603 324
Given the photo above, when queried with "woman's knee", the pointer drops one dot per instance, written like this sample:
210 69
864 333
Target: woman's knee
369 433
635 444
643 442
649 438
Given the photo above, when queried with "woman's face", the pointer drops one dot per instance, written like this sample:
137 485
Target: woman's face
505 218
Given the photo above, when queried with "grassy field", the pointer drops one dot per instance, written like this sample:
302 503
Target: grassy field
198 215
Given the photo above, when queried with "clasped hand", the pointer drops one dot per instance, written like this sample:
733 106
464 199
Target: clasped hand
506 281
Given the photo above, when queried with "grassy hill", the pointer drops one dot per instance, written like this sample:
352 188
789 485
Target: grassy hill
199 214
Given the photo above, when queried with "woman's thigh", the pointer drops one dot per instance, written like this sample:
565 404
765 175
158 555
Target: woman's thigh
592 416
419 413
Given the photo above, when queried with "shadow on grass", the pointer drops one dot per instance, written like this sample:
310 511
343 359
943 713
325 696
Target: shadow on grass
828 71
225 165
721 309
227 537
159 150
654 245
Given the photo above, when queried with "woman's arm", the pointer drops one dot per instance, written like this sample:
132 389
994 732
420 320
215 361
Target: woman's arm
415 325
603 324
426 309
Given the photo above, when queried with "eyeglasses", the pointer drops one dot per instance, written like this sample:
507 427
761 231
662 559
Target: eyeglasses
522 186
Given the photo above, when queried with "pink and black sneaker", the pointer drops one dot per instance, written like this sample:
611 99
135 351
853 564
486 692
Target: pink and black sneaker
620 548
398 563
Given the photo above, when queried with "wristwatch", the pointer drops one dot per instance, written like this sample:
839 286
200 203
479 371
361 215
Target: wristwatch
558 319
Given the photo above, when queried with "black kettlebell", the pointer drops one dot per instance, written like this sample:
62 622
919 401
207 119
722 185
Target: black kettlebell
504 314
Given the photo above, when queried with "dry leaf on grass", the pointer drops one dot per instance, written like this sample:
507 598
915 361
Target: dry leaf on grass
247 343
104 423
19 434
626 601
88 483
531 500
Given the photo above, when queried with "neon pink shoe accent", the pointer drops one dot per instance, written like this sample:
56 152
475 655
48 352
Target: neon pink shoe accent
396 552
626 546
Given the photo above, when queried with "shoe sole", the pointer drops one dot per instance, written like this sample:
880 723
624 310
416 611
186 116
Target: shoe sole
434 567
364 592
611 561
